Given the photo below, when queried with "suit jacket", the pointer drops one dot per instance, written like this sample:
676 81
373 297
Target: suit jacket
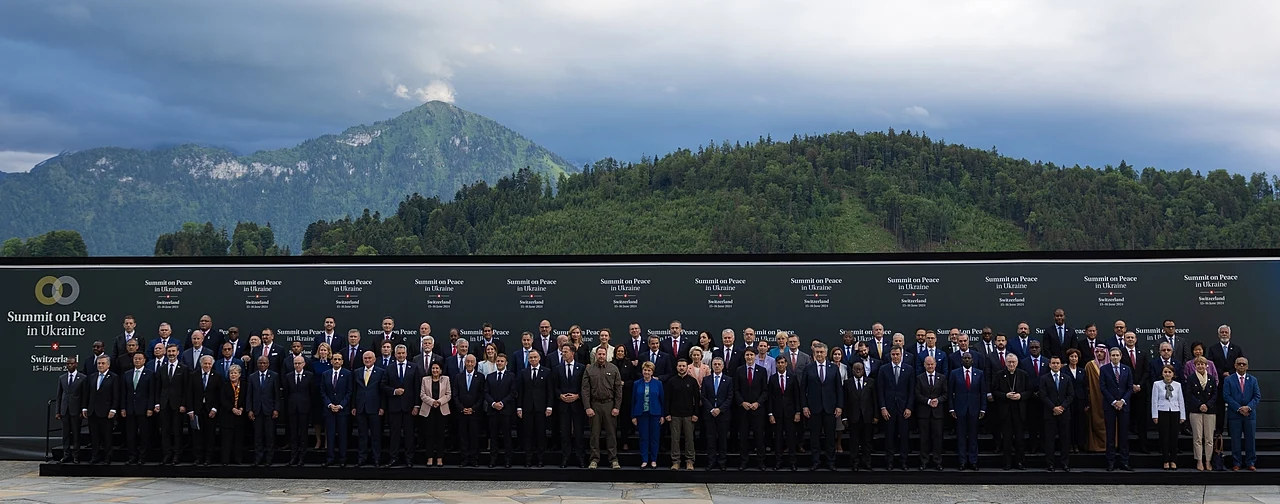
454 367
821 396
347 361
173 340
1225 363
333 340
970 399
501 391
212 338
1029 365
657 398
1052 345
861 405
423 362
239 348
229 401
634 355
339 393
895 395
298 395
70 394
1181 348
995 363
286 362
1086 348
1022 350
409 382
686 343
799 362
1235 397
201 398
664 366
1157 367
274 352
955 360
188 357
925 392
102 399
264 394
734 361
1062 394
172 392
713 398
869 366
1115 390
445 395
756 391
477 348
367 398
1141 369
468 397
879 350
516 359
939 356
395 340
569 384
535 395
136 400
1017 381
784 404
118 346
1207 394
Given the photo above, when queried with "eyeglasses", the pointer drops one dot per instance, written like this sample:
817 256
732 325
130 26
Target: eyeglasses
1119 327
1169 327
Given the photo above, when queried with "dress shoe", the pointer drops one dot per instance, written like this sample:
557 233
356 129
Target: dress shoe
813 468
328 463
1066 468
938 467
741 467
1006 466
1125 467
1253 468
709 465
1020 467
1050 469
1233 468
507 465
563 463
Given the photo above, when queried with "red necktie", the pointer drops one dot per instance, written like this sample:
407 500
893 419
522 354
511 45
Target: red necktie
782 383
675 346
1241 384
1037 361
1133 358
749 373
968 380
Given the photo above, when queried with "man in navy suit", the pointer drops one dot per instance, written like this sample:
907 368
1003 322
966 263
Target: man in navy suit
500 406
203 394
1058 337
191 356
717 399
171 397
1117 387
822 402
784 390
100 402
335 391
368 405
135 408
895 384
677 342
955 360
70 399
730 351
166 337
1035 365
1021 344
403 381
298 390
329 335
968 389
662 361
535 395
1057 393
878 346
264 403
751 395
1165 358
468 393
1241 393
931 350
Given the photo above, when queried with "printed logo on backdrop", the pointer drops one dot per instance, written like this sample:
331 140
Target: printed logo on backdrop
720 291
816 292
1111 288
347 291
439 291
913 292
168 292
626 291
531 292
51 290
257 293
56 331
1211 290
1011 291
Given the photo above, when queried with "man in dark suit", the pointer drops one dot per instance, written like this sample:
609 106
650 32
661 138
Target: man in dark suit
212 336
1137 361
1116 383
1057 392
677 342
730 351
1058 337
263 403
486 339
226 359
751 395
166 338
822 403
862 354
171 398
536 394
124 361
636 344
955 359
403 381
239 347
1223 355
717 401
119 345
1011 388
368 405
1035 365
570 407
204 392
299 388
190 357
136 400
968 389
99 404
518 359
1181 348
271 348
500 405
931 349
1241 393
353 351
931 395
895 388
861 410
456 364
422 361
1165 357
663 362
468 393
328 335
784 414
1020 345
1086 343
388 334
335 391
879 345
286 361
70 400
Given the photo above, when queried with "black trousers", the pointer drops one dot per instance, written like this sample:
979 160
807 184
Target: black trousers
204 441
784 434
297 424
1034 424
751 424
137 433
1012 434
1116 421
401 424
533 431
930 440
860 435
717 431
264 438
71 423
469 435
369 428
822 437
1058 428
233 438
100 434
1138 423
433 439
335 431
1169 428
897 439
573 416
171 433
500 431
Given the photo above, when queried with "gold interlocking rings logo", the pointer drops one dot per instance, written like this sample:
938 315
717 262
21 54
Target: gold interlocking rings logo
52 290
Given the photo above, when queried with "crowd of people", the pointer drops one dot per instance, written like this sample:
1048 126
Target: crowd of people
1059 391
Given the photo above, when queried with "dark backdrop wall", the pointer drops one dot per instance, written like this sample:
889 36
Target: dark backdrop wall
813 299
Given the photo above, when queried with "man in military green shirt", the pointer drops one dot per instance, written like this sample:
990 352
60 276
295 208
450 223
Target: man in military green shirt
602 390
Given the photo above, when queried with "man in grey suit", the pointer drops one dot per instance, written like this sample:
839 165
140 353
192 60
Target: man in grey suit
795 356
70 388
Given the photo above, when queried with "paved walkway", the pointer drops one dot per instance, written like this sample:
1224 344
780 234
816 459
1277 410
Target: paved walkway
20 482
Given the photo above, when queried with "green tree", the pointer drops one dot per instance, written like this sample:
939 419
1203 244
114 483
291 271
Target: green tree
62 243
194 240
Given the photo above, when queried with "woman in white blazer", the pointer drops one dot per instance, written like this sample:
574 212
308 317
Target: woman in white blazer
1168 411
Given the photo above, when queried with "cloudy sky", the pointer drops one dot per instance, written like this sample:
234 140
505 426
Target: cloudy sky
1166 83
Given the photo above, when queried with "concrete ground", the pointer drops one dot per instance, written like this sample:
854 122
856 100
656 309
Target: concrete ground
20 482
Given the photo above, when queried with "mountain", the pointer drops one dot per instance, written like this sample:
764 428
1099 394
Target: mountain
840 192
120 200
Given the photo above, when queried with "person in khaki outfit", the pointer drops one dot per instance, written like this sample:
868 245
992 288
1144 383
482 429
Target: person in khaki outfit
602 388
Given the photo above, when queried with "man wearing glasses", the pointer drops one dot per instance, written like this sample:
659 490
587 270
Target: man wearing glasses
1181 350
677 344
1120 328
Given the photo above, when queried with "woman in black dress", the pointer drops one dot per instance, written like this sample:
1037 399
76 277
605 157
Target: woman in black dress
627 372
